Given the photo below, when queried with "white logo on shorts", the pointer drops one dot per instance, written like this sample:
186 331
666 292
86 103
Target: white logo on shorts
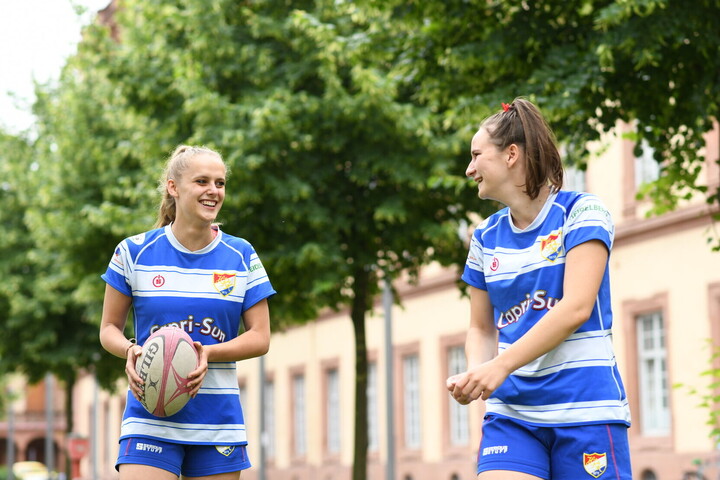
147 447
495 450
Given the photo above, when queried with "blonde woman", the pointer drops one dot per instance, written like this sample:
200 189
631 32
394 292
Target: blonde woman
187 272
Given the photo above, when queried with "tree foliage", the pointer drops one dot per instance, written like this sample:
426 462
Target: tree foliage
345 126
589 65
336 178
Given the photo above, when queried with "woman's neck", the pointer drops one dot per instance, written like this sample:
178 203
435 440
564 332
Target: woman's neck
525 209
193 237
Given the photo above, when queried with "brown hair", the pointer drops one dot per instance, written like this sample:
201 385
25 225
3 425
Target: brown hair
176 164
522 123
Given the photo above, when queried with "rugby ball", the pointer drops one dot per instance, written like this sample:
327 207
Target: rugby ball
167 358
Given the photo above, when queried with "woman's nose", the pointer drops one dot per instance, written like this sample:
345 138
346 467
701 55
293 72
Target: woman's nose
470 170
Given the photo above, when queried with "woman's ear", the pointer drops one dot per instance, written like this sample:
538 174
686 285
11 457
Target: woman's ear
513 155
171 188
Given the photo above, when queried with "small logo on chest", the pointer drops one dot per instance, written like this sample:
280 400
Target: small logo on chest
551 245
224 283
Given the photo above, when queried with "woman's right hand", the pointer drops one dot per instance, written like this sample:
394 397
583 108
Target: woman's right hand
134 380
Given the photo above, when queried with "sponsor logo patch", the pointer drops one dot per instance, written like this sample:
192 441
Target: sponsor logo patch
495 450
595 463
224 283
148 447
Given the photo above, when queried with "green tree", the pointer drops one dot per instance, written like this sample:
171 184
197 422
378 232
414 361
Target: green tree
588 63
338 181
45 330
338 178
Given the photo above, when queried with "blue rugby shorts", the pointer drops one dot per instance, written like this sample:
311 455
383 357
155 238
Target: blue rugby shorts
188 460
557 453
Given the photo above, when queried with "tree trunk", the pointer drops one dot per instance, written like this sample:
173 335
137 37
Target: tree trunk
70 419
359 309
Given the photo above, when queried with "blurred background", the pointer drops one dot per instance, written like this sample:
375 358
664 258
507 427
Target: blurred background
347 128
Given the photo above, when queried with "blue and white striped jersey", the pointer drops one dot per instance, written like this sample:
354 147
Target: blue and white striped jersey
204 292
523 270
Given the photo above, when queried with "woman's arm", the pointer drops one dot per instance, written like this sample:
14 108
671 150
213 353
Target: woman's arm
116 307
480 342
253 342
584 269
114 316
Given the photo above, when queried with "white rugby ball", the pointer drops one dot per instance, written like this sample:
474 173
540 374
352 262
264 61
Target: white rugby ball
167 358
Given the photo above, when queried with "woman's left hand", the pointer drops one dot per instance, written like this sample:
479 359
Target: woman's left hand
197 376
479 381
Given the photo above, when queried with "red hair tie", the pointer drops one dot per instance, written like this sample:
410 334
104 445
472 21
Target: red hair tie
505 106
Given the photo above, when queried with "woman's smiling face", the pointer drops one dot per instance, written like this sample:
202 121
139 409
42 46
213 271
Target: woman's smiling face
200 191
487 167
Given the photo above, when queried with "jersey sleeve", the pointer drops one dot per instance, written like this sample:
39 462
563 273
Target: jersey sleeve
117 274
258 282
474 274
589 219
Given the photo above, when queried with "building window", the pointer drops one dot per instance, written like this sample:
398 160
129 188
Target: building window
574 179
459 415
411 400
299 419
333 411
372 407
652 375
647 170
268 436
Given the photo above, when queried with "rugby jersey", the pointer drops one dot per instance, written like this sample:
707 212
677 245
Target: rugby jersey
523 270
205 293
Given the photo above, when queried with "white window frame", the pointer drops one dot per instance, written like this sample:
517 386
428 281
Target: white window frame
372 408
269 413
647 170
459 415
332 410
411 401
575 179
299 415
652 375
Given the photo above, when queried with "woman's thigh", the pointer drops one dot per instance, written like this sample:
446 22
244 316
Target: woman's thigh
506 475
132 471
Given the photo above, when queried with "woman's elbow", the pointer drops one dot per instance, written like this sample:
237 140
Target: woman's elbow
263 344
579 314
264 348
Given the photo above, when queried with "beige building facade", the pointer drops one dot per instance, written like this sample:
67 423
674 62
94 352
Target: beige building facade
666 301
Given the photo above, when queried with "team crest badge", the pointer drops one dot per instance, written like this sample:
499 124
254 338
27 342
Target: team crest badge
224 283
225 449
551 245
595 463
